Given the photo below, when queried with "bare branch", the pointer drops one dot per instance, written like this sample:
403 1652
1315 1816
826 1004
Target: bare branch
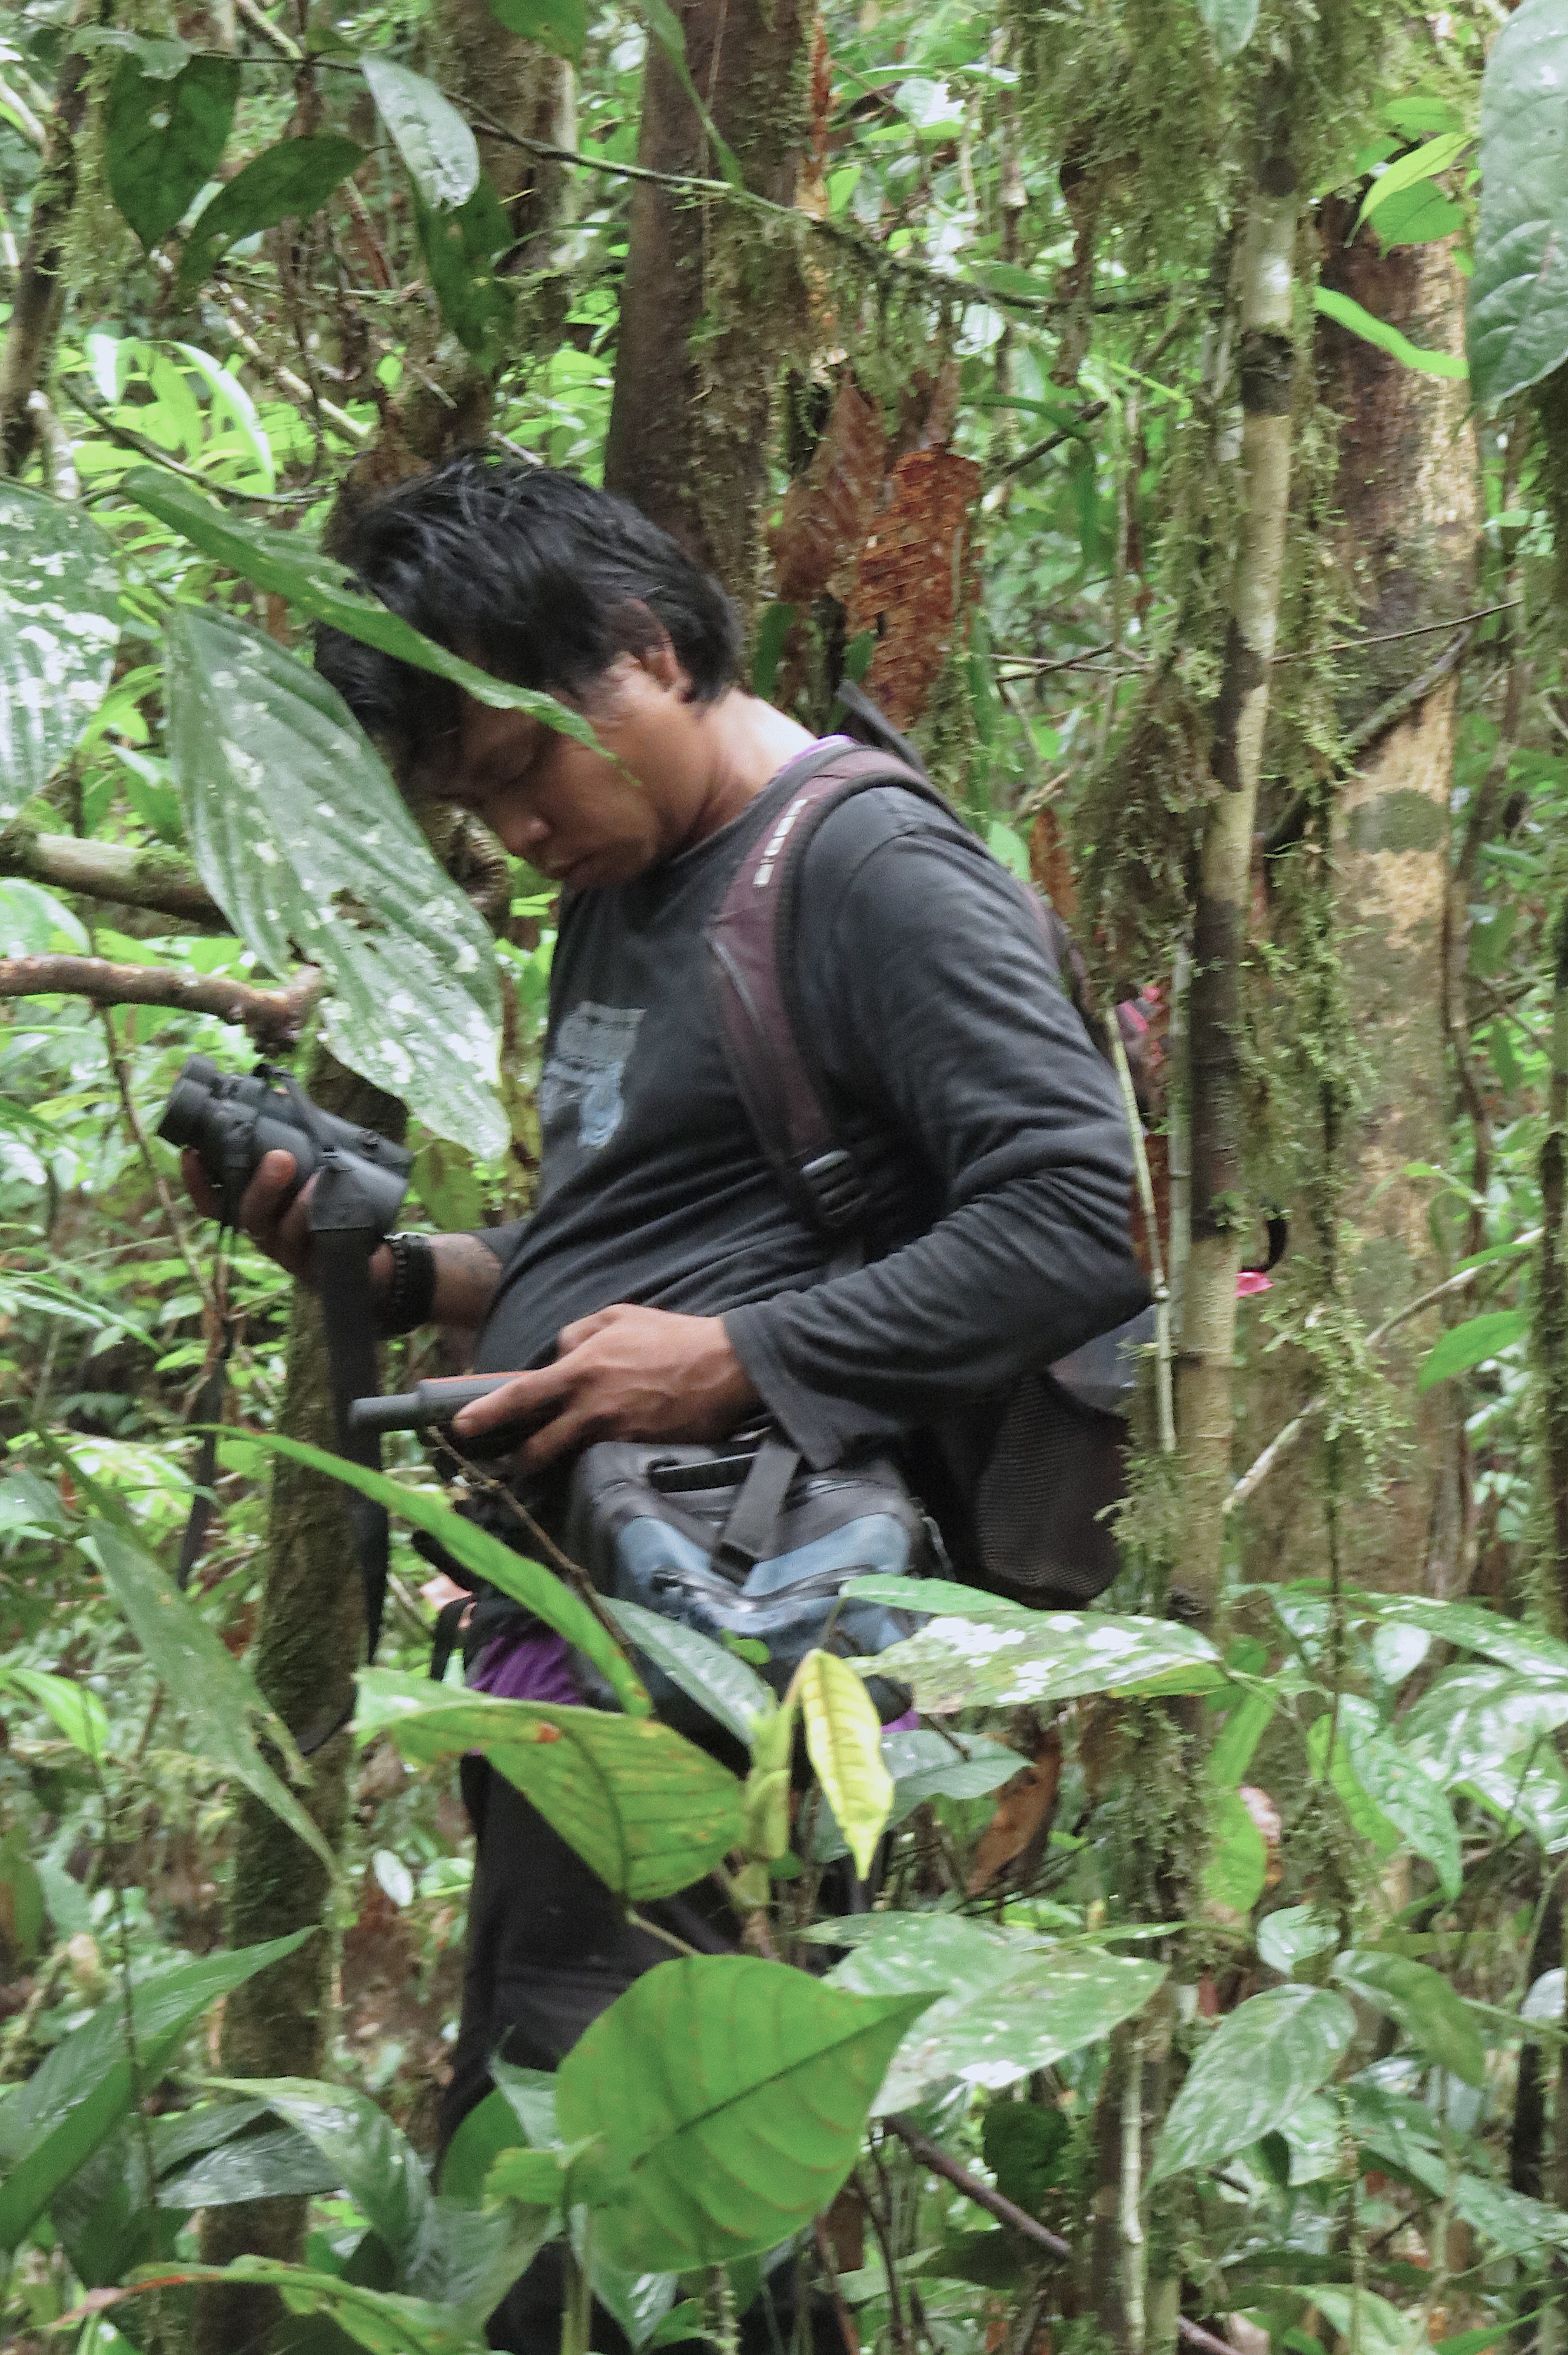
160 880
276 1016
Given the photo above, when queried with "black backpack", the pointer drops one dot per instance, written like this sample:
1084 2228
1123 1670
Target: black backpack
1020 1485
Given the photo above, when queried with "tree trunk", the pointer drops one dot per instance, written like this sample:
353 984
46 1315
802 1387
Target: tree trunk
1220 1219
36 305
309 1642
692 415
1405 540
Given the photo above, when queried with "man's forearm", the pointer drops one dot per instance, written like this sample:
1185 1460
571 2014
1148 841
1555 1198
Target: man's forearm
467 1274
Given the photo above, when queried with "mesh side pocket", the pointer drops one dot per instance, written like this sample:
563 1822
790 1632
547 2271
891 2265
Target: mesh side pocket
1054 1469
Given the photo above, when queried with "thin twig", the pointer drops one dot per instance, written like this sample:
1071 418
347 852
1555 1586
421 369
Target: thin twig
1260 1467
847 2330
1163 1391
182 1242
259 22
1390 637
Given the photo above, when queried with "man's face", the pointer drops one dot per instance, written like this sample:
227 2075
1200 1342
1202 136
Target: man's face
584 818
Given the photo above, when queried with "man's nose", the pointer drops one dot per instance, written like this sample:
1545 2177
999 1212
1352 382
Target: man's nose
523 833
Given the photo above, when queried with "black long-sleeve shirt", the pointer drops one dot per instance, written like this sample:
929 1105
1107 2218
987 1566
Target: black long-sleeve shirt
986 1125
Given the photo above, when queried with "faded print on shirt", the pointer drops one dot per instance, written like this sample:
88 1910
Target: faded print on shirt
586 1066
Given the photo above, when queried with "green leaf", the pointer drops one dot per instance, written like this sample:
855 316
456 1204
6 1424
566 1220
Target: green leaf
288 566
1233 24
647 1811
1418 216
21 1897
731 1692
1423 163
460 248
228 393
485 2131
558 25
163 140
1423 2003
1402 1790
59 624
381 2320
437 146
73 2102
1367 2322
1518 296
373 2162
926 1764
281 2164
1359 322
533 2177
1023 2144
992 2031
1261 2060
206 1684
1293 1935
733 2093
1001 1656
843 1742
1231 1751
668 31
79 1713
286 182
1473 1629
528 1582
1472 1343
304 840
1237 1867
1474 1717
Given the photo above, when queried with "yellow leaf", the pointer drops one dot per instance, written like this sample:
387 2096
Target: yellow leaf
843 1740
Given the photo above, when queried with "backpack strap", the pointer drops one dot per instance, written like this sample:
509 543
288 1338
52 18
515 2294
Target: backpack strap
751 942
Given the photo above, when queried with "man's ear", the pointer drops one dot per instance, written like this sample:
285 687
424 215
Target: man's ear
656 656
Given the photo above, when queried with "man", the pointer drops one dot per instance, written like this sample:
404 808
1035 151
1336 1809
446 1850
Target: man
664 1287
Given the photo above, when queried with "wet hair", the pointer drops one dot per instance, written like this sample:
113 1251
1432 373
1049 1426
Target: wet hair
531 573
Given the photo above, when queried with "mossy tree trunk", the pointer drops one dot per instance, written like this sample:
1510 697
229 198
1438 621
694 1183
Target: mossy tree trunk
692 415
1403 540
309 1642
37 298
1221 1223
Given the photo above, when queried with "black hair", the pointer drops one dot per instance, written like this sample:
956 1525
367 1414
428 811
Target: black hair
529 572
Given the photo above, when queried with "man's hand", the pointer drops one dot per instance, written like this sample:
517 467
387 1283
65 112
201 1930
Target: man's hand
271 1212
626 1373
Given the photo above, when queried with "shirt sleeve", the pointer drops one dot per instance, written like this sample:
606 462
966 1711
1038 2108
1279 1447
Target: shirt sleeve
939 1000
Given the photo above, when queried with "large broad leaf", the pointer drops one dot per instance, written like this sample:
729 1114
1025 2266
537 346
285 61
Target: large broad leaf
1231 22
649 1812
1477 1716
1402 1790
206 1684
843 1742
59 597
1518 295
52 2124
461 248
374 2163
284 565
1475 1629
304 840
287 182
731 1692
558 25
733 2094
992 2031
539 1590
1425 2006
163 139
1251 2075
435 143
1473 1343
1003 1657
281 2164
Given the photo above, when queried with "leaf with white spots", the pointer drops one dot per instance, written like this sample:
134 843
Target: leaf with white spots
302 840
978 1652
59 603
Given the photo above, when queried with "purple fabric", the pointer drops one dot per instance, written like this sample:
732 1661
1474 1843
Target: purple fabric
907 1723
525 1667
